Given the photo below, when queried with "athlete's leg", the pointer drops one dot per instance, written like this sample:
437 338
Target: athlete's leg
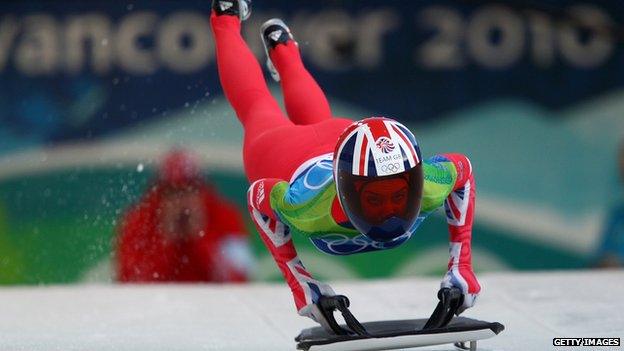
242 79
273 146
305 101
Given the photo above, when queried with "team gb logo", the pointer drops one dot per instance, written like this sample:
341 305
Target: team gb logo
385 145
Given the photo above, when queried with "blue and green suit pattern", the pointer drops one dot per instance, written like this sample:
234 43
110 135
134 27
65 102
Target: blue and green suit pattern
308 206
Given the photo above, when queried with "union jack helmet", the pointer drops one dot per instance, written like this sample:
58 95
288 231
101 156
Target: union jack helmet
379 177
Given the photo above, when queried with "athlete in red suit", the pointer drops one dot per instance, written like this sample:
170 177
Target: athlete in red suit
350 187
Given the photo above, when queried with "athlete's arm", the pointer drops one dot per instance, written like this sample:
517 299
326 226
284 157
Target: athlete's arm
276 236
459 207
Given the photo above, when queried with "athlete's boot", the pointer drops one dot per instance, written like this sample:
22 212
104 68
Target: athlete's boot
239 8
273 33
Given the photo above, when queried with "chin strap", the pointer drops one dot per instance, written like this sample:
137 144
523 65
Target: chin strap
327 306
450 301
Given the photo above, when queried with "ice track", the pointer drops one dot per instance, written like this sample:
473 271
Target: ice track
534 307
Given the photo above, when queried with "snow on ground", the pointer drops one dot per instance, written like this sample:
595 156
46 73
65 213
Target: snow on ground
534 307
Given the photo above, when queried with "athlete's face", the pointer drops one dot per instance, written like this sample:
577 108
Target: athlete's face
383 199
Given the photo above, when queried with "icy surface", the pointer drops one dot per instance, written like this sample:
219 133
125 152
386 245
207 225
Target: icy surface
534 308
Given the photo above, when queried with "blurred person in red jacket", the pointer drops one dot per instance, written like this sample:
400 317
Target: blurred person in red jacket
182 231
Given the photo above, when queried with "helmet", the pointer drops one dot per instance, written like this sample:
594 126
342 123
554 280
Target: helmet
379 177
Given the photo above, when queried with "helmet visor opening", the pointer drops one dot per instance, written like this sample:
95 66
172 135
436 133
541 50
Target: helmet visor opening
373 201
383 199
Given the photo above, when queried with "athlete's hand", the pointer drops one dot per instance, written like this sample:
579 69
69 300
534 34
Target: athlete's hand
312 310
466 281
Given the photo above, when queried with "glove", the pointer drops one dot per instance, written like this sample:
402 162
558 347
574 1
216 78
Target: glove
312 310
465 280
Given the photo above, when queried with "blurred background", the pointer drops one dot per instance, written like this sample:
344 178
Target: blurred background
94 95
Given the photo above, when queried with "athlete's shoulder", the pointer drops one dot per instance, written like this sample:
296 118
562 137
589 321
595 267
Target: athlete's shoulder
439 175
259 193
439 169
312 180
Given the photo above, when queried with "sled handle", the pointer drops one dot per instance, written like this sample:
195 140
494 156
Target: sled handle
328 304
450 301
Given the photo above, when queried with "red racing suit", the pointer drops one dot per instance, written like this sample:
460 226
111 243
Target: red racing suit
288 160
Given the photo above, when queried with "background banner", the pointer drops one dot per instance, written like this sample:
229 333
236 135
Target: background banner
93 93
75 70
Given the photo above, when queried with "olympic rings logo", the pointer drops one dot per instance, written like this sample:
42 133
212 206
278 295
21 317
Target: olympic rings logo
318 171
340 244
391 167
